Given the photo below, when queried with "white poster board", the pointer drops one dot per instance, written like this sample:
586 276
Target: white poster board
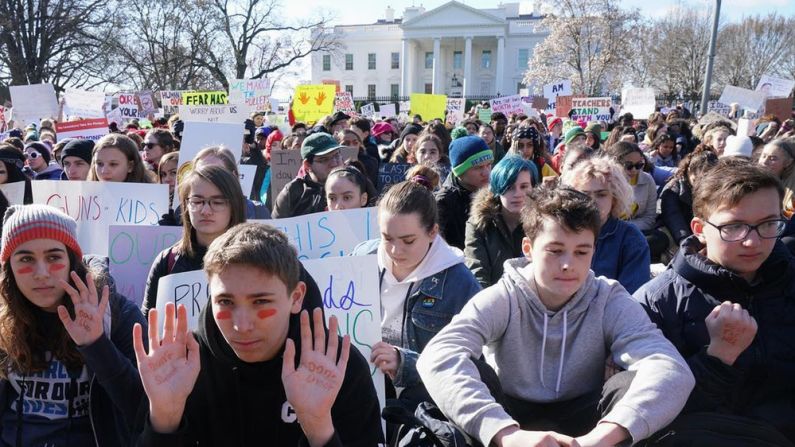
555 89
84 104
187 288
227 113
387 110
95 206
33 102
246 176
198 136
773 87
747 99
253 94
507 105
455 110
640 102
14 192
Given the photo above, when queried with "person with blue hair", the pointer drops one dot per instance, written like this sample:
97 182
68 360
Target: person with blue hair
493 231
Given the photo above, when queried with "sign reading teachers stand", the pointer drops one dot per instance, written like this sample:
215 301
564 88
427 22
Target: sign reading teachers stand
95 206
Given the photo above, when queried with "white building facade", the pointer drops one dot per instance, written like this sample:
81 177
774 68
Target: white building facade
454 49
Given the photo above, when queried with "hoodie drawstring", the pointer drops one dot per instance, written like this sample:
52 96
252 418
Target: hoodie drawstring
20 409
562 350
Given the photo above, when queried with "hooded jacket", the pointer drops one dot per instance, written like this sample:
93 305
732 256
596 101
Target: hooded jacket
489 242
543 356
235 403
676 204
51 172
645 193
760 383
454 202
301 196
622 254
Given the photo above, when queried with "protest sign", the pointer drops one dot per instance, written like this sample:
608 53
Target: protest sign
747 99
330 233
90 129
555 89
350 291
284 168
455 110
536 102
484 115
146 99
14 192
33 102
640 102
775 87
197 136
333 82
128 106
387 110
781 108
591 109
391 173
563 105
95 206
132 250
507 104
114 116
189 289
428 106
313 102
368 110
84 104
246 176
744 127
170 100
343 102
404 106
231 113
204 98
718 107
251 93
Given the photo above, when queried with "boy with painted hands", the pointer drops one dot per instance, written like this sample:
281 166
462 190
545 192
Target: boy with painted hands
548 327
727 300
238 382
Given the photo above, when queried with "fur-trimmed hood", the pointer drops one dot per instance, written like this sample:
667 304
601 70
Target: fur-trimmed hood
485 209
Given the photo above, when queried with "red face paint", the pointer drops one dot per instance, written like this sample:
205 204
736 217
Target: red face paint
56 267
25 270
266 313
223 315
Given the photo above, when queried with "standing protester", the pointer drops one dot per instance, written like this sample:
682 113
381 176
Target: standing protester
76 159
116 159
157 143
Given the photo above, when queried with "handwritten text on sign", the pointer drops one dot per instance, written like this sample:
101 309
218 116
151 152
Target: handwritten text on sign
591 109
98 205
132 251
328 234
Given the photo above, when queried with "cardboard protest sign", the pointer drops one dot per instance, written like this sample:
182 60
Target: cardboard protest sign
640 102
368 110
350 292
128 106
330 233
189 289
484 115
333 82
775 87
455 110
95 206
537 102
231 113
747 99
428 106
204 98
387 110
246 176
114 116
170 100
343 102
132 250
507 105
391 173
284 168
84 104
781 108
591 109
563 105
90 129
313 102
251 93
14 192
33 102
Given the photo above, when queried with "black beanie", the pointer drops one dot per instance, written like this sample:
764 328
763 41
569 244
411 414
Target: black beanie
78 148
42 149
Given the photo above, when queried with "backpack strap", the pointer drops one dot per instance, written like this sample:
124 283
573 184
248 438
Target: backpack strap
171 259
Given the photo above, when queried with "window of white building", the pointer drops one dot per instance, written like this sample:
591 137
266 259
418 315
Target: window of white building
429 59
458 58
394 90
326 62
371 61
349 62
395 61
485 59
371 90
524 56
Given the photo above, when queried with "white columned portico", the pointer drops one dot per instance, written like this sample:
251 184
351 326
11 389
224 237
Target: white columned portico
500 65
437 66
468 81
405 57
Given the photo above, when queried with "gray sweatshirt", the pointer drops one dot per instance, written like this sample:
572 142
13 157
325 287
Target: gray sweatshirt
544 356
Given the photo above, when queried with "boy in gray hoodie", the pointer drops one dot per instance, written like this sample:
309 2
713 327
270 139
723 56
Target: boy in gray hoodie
549 327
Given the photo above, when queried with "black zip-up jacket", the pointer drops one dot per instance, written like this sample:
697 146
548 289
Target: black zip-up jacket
453 202
235 403
301 196
761 383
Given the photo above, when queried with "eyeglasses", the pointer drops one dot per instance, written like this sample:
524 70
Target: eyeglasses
769 229
630 166
32 155
216 203
328 158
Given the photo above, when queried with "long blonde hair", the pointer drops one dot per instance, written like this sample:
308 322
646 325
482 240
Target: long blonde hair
604 169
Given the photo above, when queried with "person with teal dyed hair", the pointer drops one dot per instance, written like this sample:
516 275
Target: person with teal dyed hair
493 231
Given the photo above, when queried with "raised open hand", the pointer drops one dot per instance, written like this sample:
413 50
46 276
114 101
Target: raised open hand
320 98
312 388
303 97
86 327
170 369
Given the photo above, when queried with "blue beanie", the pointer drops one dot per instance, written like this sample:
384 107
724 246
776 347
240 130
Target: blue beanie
467 152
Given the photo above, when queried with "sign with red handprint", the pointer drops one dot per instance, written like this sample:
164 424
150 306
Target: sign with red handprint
313 102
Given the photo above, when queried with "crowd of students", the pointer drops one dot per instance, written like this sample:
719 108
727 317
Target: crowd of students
542 281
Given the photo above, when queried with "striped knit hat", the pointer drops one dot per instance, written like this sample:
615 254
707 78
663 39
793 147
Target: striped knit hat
23 223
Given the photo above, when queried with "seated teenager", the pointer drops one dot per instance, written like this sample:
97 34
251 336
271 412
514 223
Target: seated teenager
621 250
257 373
67 365
494 231
728 300
348 188
76 159
548 327
221 156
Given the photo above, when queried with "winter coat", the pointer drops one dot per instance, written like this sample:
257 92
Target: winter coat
645 196
453 202
301 196
676 204
52 172
622 254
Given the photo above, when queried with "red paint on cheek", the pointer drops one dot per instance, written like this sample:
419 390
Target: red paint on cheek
57 267
223 315
25 270
266 313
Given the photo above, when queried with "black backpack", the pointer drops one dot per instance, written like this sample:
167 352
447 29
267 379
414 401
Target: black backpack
717 430
427 427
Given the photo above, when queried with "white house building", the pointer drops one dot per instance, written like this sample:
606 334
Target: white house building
454 49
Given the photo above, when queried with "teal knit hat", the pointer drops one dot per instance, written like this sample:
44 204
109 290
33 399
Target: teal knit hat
458 132
573 133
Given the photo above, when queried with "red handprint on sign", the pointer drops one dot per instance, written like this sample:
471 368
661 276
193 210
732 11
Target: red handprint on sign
320 98
304 98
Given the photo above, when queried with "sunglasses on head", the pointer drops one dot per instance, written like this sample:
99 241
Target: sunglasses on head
629 166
